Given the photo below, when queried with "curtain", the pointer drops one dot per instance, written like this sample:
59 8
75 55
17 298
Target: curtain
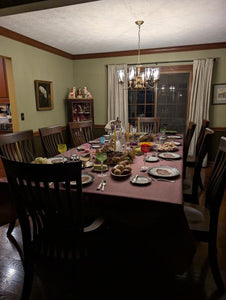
117 95
200 96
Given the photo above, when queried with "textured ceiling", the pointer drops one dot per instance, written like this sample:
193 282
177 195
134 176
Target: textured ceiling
109 25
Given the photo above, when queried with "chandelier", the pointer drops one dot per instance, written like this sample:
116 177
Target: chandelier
139 76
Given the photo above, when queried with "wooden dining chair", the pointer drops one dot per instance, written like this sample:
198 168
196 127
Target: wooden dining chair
81 132
190 162
17 146
203 221
190 186
51 216
187 142
148 124
51 136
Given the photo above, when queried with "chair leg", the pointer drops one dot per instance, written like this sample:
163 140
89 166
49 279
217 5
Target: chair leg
215 268
11 227
28 279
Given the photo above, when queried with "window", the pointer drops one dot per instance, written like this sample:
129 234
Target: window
168 100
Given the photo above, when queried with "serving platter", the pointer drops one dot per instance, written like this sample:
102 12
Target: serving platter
163 171
169 155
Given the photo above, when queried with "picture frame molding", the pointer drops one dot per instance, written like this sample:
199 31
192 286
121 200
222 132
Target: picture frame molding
48 86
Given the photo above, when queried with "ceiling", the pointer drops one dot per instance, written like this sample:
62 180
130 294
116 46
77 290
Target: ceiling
109 25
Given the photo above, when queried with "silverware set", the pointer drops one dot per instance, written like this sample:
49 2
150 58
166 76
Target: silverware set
102 185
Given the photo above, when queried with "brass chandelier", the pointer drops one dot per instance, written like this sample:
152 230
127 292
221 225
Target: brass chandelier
139 76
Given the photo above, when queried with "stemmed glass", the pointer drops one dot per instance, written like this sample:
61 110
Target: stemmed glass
62 148
101 156
145 148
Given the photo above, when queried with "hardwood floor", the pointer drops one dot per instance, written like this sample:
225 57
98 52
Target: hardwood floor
196 283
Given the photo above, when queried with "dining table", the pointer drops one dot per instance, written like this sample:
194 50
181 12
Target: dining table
154 210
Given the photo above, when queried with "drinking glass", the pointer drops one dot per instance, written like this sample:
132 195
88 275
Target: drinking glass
101 156
62 148
145 148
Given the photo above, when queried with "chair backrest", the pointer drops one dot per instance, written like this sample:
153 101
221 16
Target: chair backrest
48 208
81 132
187 141
205 124
18 146
217 182
199 161
150 125
51 137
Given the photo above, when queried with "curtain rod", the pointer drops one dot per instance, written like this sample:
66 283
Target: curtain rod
163 62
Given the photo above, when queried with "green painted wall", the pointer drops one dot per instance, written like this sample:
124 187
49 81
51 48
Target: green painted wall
93 73
29 64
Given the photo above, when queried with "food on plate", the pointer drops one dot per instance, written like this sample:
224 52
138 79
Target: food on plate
121 169
168 155
41 160
146 138
162 172
85 178
114 158
167 146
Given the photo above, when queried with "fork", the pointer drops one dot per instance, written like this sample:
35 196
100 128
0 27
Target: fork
103 184
162 179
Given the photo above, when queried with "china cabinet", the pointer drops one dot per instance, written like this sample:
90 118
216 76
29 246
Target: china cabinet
4 95
80 110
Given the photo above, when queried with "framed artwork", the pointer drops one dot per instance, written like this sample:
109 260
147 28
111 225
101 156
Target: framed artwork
219 93
44 94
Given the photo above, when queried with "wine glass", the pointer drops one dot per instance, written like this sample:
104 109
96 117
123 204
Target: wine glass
62 148
101 156
145 148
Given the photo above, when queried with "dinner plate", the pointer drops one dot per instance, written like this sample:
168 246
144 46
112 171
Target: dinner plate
95 146
176 143
174 137
94 142
163 171
120 176
80 148
152 159
86 179
169 155
140 180
171 132
57 160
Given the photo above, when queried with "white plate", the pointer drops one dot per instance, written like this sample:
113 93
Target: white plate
176 143
86 179
96 146
163 171
140 180
120 176
169 155
56 160
152 159
174 137
94 142
80 148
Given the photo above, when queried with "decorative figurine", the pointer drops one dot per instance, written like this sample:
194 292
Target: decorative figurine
79 95
87 94
72 93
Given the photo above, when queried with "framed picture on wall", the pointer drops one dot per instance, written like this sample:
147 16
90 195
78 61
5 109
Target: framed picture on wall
219 93
44 94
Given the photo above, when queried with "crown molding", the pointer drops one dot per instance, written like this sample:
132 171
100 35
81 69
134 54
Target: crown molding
31 42
151 51
34 43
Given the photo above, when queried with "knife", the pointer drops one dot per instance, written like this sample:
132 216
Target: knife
100 185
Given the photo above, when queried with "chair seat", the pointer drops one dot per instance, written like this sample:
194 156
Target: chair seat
197 217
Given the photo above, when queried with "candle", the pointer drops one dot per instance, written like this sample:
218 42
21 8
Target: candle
138 125
127 134
115 138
